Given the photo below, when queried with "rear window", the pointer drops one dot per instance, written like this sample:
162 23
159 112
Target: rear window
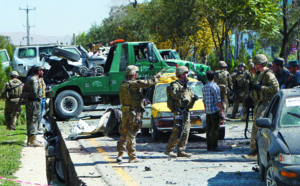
27 52
3 57
290 115
72 50
160 94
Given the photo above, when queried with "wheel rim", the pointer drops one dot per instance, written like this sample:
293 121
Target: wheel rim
270 178
69 104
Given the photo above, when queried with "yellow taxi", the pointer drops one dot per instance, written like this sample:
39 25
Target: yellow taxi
158 118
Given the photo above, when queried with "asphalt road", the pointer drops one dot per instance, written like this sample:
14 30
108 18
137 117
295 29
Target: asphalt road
203 168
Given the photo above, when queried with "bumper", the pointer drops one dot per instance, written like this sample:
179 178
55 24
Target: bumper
283 180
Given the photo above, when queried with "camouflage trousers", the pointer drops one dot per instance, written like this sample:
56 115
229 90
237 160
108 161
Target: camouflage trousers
12 112
175 136
237 99
130 125
33 111
224 100
212 129
259 111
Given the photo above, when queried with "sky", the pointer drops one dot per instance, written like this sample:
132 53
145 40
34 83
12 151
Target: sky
54 17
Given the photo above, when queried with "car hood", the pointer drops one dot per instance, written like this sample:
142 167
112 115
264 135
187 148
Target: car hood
291 136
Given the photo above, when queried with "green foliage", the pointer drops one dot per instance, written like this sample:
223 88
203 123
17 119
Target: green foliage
5 43
213 61
10 152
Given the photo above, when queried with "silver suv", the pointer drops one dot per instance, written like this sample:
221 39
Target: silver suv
27 56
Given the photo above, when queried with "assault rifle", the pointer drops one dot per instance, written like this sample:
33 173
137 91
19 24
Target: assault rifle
249 104
183 115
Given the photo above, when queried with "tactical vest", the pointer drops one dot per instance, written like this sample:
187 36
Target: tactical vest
14 88
130 96
221 78
264 96
239 79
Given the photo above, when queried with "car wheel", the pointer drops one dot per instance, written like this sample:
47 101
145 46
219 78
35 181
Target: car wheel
156 135
68 104
90 107
262 169
68 55
269 175
222 133
145 131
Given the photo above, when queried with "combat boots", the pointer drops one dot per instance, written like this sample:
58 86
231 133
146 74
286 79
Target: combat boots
183 154
135 160
171 154
250 156
33 142
119 158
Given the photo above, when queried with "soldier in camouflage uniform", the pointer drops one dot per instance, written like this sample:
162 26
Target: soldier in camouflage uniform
33 106
267 86
133 103
239 89
180 89
12 93
223 79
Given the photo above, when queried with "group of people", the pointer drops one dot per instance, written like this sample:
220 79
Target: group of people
261 82
32 92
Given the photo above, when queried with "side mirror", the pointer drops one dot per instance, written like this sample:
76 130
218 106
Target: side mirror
150 52
263 123
151 66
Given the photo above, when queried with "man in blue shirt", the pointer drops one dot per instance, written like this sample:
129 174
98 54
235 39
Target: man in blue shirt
293 67
214 111
281 74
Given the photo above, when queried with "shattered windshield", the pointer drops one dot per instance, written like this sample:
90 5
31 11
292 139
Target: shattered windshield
290 115
160 94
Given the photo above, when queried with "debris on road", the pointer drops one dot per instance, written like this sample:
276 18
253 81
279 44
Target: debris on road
147 168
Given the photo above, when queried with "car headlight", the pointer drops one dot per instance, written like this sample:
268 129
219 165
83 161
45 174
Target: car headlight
164 114
289 159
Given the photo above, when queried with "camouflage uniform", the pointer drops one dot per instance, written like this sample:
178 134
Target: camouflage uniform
177 92
133 102
12 93
269 87
240 90
223 79
33 107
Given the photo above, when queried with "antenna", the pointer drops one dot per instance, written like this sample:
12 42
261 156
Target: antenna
28 27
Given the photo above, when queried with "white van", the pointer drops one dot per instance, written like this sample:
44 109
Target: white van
4 58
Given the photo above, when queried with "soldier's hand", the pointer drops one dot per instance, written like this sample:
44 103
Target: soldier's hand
256 87
195 97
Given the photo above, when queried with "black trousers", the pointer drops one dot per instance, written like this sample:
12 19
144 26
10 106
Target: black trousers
212 129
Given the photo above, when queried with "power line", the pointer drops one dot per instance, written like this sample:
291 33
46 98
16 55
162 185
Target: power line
28 26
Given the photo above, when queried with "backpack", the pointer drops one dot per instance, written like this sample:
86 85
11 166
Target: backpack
221 80
170 99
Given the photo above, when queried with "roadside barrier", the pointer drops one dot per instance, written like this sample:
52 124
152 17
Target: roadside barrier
18 181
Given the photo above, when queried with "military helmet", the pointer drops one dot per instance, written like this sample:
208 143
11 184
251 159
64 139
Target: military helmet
14 74
251 66
222 64
235 69
260 59
242 64
181 70
131 70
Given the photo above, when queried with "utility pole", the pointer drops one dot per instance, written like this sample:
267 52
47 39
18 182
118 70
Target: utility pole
28 26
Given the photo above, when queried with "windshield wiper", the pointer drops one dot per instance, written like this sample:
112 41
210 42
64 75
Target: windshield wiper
294 114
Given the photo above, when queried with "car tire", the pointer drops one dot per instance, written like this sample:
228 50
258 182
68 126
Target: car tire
145 131
68 104
222 133
156 135
90 107
269 174
68 55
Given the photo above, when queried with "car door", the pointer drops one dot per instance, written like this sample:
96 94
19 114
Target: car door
265 133
147 114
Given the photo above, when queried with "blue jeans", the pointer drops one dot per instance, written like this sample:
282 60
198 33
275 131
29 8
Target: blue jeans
42 109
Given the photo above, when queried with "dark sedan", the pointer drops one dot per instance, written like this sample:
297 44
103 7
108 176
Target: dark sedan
278 139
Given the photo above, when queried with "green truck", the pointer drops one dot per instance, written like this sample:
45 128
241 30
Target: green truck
71 95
